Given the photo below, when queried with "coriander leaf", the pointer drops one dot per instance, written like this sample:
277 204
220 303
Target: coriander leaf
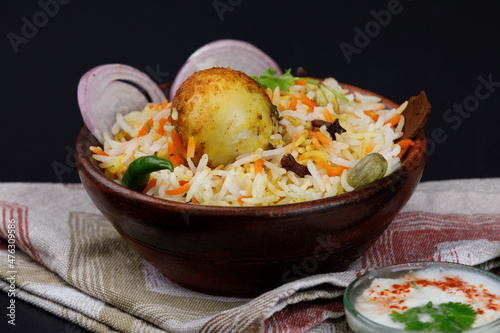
267 80
448 317
461 315
285 81
269 72
412 314
417 326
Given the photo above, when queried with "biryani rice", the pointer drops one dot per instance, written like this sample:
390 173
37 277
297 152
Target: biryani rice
238 184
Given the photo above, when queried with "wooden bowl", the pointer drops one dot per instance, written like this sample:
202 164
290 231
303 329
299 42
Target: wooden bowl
245 251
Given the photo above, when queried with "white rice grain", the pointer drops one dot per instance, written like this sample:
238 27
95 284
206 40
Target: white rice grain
196 184
315 175
124 126
259 185
343 162
402 107
296 114
344 183
366 98
162 114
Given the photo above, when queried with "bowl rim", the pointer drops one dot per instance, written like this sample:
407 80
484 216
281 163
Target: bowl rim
349 306
412 161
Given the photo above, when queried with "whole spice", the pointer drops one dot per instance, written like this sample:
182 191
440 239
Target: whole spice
371 168
137 175
324 96
332 128
290 164
416 113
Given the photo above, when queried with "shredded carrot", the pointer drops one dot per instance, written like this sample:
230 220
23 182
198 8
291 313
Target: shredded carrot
394 120
338 170
316 143
178 144
296 136
151 184
404 144
144 129
308 102
164 104
258 166
182 182
329 170
151 106
171 152
180 160
240 199
403 151
98 151
184 188
300 82
324 139
372 115
161 126
328 116
370 147
293 103
169 119
190 148
193 200
288 147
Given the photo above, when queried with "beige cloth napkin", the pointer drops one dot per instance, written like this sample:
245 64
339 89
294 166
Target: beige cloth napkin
70 261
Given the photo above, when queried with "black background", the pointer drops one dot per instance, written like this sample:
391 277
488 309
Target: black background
440 47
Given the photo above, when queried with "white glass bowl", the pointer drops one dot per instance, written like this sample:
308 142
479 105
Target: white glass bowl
361 324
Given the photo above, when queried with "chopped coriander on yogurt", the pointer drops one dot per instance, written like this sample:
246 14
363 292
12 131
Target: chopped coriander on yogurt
447 317
431 300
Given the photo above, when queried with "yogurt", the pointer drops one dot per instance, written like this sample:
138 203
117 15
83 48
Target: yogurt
435 284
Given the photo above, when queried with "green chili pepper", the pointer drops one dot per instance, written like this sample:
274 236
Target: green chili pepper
137 175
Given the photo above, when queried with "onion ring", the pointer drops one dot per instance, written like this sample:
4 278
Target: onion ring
109 89
238 55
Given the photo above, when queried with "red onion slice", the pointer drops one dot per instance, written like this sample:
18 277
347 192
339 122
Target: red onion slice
107 90
236 54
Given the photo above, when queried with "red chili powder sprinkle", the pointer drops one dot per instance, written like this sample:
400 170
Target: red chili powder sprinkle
450 284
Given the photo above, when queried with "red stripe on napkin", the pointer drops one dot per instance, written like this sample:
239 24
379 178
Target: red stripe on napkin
418 236
20 214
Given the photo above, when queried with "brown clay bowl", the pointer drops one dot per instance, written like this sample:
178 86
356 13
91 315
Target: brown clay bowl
245 251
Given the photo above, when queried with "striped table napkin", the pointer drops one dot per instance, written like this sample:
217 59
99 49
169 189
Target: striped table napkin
70 261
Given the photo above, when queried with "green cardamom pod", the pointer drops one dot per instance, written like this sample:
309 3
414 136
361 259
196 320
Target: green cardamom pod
371 168
320 98
329 96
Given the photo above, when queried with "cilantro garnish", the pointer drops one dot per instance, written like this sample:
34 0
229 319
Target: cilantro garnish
268 80
447 317
285 81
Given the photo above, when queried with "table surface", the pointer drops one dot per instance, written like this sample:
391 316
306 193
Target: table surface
32 319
